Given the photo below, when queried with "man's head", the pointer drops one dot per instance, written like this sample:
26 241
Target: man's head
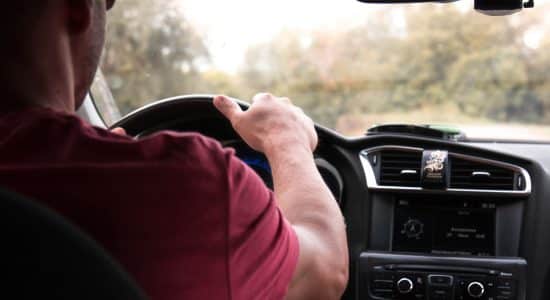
52 50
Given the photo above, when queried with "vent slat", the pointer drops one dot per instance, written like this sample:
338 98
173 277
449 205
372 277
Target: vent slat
461 175
392 168
400 163
392 162
456 177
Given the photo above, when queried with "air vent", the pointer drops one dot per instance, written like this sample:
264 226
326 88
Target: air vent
400 168
471 174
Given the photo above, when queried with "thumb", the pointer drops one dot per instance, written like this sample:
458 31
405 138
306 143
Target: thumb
229 108
119 131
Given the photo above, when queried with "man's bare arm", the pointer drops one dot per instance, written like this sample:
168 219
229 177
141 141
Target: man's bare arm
287 136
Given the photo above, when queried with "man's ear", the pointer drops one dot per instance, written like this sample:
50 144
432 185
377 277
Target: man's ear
79 15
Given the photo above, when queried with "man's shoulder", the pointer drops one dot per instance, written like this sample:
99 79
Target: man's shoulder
64 138
188 146
158 148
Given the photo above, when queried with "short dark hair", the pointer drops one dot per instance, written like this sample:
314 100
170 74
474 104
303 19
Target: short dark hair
22 13
20 20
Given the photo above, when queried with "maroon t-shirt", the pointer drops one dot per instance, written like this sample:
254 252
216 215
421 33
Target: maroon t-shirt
185 217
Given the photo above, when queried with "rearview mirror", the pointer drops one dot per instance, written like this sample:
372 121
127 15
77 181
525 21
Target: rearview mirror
488 7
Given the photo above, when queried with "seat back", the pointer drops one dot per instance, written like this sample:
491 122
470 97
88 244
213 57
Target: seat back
43 256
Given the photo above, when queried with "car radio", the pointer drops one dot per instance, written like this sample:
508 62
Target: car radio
451 227
400 276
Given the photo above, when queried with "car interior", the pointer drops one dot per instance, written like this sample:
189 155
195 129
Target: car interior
430 213
467 233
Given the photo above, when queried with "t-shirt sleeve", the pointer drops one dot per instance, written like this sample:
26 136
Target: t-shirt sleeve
263 247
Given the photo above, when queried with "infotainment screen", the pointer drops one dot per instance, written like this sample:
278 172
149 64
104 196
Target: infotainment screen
444 227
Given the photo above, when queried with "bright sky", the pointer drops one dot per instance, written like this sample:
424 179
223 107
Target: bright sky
229 27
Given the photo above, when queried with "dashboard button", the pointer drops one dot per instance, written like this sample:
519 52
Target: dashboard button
476 289
505 283
440 294
382 275
382 284
505 288
383 293
405 285
440 280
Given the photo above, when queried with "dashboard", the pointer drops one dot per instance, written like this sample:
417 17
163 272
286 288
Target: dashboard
466 229
427 218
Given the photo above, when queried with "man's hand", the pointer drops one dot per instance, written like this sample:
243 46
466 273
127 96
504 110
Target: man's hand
287 137
119 131
271 123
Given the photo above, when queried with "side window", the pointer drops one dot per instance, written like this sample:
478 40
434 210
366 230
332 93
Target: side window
103 99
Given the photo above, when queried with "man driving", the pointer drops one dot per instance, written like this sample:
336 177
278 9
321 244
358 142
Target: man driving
184 216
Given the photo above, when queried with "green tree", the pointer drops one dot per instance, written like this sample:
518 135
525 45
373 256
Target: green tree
441 59
478 63
152 52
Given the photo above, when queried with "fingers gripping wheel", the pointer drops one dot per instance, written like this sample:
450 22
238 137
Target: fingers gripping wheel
197 113
168 113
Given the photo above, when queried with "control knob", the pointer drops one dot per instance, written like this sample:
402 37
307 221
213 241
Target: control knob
405 285
475 289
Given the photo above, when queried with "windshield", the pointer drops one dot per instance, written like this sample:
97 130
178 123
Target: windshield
349 65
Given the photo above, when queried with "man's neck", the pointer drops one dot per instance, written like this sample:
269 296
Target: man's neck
39 79
34 99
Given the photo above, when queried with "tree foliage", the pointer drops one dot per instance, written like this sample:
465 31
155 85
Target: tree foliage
151 52
443 58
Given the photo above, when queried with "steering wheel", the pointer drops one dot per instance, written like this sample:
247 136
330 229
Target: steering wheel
197 113
200 116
